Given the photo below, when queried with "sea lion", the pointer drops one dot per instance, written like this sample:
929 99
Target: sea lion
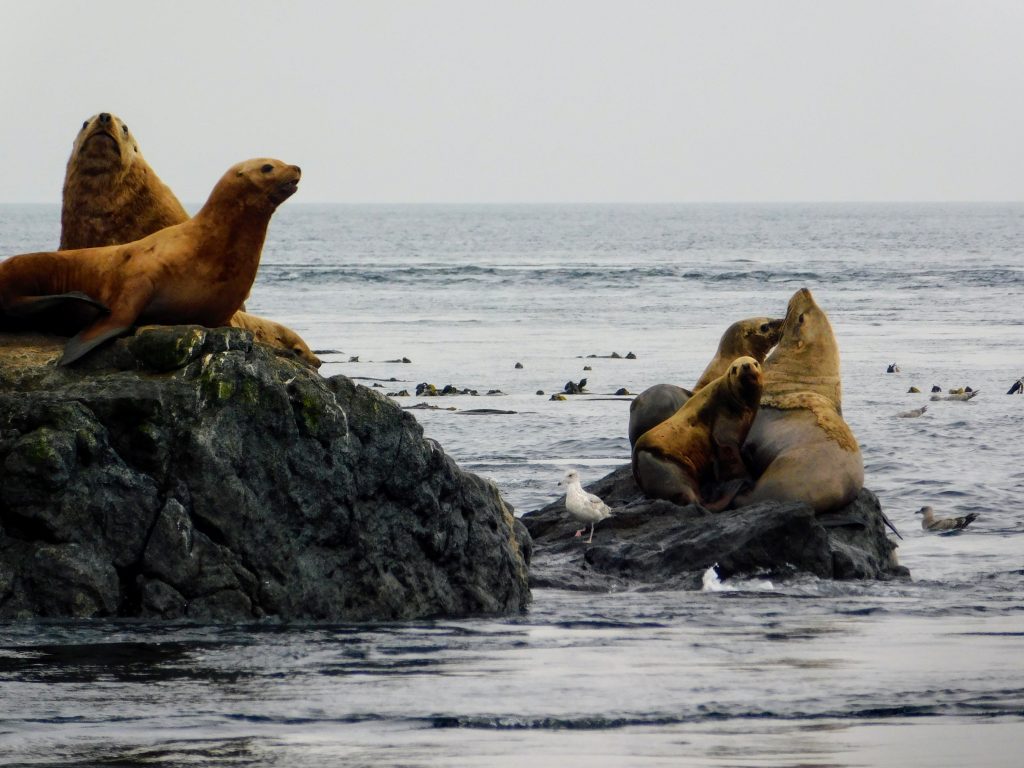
700 443
199 271
111 195
276 335
753 337
653 406
799 447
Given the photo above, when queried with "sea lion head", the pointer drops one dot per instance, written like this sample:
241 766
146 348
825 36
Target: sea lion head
754 337
807 355
103 146
261 184
806 326
291 341
746 380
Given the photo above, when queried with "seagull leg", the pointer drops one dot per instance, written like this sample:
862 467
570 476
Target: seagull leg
591 533
580 532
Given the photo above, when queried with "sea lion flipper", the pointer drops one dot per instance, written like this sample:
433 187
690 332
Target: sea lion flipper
129 304
30 305
78 346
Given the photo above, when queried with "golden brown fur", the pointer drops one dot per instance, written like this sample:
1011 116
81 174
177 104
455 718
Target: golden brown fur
700 443
799 447
199 271
111 195
753 337
276 335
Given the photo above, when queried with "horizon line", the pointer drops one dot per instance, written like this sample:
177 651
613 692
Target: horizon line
198 204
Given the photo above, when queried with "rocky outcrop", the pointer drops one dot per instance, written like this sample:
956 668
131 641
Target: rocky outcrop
190 473
659 544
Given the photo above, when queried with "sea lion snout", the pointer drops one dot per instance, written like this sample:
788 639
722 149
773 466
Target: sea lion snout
104 118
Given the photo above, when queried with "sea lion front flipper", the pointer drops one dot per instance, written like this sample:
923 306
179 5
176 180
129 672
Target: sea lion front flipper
30 305
126 311
77 346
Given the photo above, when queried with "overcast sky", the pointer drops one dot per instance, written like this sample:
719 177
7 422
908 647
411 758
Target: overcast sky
478 101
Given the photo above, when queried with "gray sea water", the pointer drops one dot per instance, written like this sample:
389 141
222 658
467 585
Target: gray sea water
801 673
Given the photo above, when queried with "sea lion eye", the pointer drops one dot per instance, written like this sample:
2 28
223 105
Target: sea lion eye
124 128
267 168
801 320
85 125
764 328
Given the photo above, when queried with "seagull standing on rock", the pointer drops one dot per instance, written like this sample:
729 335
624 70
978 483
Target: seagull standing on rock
930 523
585 507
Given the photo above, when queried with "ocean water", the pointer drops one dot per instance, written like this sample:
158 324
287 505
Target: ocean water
795 673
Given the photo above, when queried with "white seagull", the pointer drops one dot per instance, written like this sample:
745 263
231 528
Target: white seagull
585 507
930 523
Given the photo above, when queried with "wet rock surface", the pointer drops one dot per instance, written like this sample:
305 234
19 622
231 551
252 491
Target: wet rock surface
189 473
657 544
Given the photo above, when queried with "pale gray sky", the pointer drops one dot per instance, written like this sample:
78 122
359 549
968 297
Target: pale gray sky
522 101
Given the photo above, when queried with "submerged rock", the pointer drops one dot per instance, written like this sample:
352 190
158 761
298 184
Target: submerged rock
190 473
658 544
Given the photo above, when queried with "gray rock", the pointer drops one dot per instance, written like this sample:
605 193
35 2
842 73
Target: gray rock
657 544
186 472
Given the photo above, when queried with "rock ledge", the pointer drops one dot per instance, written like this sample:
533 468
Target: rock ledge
189 473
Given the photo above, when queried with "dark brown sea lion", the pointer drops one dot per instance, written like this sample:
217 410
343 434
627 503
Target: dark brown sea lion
799 447
700 443
753 337
199 271
111 195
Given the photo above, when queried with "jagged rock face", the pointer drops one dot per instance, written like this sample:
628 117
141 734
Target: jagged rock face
189 473
659 544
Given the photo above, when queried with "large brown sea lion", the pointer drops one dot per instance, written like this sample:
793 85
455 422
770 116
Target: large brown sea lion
799 447
753 337
111 195
700 443
199 271
276 335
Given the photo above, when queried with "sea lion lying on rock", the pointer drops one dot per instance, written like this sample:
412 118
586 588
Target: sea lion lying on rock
699 445
799 447
753 337
276 335
199 271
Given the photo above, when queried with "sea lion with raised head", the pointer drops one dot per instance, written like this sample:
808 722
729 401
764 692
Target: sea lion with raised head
111 195
753 337
276 335
699 445
799 448
199 271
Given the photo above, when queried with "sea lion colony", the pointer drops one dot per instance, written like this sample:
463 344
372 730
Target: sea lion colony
790 443
755 427
111 197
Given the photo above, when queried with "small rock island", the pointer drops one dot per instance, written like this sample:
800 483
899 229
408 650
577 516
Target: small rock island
190 473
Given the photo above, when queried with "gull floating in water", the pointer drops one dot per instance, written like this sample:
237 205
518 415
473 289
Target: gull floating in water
585 507
957 395
912 414
930 523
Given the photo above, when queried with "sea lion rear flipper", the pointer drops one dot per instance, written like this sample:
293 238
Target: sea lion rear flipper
29 305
